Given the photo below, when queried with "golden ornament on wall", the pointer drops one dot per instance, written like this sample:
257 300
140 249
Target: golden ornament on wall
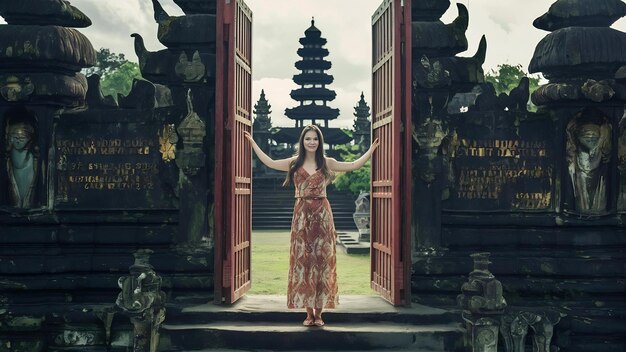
167 140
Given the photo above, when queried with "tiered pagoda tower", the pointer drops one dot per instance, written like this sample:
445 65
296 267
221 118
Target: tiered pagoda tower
312 95
262 122
261 130
362 125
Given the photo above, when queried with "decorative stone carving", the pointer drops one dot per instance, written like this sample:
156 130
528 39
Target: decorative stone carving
74 338
190 71
517 321
431 75
176 30
588 156
597 91
167 141
428 137
143 301
192 130
22 160
483 304
13 88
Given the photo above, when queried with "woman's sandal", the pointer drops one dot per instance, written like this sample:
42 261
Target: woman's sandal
308 322
319 322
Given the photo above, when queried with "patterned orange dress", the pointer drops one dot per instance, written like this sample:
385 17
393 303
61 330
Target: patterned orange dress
312 260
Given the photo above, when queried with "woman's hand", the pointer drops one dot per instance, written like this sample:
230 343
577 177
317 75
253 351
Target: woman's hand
248 136
375 144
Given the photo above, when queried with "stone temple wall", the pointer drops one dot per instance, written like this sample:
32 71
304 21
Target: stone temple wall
89 182
541 191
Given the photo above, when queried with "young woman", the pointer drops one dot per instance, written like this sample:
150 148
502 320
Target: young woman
312 263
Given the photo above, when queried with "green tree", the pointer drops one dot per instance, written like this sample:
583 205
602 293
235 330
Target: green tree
106 61
507 77
120 80
354 181
116 72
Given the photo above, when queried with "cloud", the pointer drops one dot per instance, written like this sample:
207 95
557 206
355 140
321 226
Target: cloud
278 24
115 20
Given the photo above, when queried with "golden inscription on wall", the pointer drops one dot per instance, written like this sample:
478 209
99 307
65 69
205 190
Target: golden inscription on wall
100 164
502 148
102 146
504 174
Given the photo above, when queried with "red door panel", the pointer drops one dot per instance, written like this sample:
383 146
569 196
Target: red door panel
233 168
391 186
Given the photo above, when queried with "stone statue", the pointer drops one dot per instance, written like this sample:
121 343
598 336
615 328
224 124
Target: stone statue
21 163
588 155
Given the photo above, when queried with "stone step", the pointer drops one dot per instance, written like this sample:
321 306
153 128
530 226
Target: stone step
263 322
293 336
333 350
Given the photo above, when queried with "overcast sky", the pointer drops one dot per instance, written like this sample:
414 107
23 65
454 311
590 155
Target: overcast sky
278 24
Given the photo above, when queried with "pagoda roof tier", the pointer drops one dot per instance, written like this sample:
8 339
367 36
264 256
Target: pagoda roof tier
581 13
313 78
48 46
313 94
313 32
312 52
573 50
312 112
313 65
43 13
313 41
291 135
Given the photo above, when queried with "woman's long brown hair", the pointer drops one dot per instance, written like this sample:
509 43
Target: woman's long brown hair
320 160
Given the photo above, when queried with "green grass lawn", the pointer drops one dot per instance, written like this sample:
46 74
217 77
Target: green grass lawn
270 266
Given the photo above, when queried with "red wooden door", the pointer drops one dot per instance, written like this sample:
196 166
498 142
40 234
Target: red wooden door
233 168
391 163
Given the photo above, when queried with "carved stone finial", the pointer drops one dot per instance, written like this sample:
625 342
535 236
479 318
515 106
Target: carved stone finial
143 301
192 130
483 304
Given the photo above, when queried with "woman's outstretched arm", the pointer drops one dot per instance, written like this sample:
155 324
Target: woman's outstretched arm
280 165
341 166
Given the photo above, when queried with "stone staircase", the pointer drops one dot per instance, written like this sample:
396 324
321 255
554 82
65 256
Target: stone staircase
272 206
262 323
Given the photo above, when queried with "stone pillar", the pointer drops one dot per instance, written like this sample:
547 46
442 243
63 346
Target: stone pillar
40 61
483 305
586 95
437 76
187 68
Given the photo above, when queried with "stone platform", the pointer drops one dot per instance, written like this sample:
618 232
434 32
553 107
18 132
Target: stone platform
263 323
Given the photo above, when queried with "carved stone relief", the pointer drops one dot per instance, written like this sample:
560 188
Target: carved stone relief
13 88
588 154
22 160
190 71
